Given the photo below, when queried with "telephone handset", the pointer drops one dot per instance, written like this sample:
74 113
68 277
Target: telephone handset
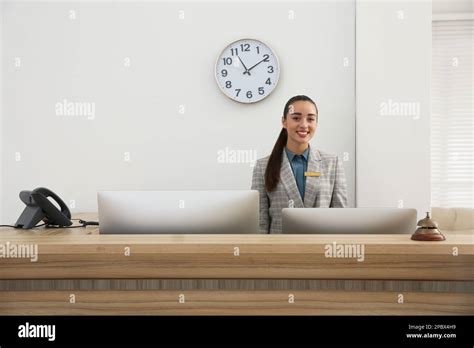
39 207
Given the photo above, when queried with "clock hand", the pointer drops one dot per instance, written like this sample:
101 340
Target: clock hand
246 70
256 64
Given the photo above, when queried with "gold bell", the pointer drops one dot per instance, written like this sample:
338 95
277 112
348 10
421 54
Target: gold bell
427 230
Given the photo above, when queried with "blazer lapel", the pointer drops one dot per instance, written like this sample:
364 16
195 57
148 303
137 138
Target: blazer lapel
289 182
312 182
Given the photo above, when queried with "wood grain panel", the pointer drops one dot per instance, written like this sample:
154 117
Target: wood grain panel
233 303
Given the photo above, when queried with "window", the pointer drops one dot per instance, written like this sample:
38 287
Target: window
452 127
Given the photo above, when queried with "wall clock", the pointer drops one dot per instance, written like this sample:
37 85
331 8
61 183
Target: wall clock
247 71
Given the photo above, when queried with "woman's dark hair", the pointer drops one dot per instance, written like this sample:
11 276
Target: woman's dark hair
272 173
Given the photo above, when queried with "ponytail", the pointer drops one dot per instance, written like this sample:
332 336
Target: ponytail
272 173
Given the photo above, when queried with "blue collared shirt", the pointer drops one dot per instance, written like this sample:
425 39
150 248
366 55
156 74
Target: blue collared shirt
299 165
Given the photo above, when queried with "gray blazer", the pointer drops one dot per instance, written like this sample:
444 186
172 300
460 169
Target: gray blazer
327 190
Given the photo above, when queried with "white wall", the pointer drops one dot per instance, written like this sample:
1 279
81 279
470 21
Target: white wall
393 56
1 116
137 107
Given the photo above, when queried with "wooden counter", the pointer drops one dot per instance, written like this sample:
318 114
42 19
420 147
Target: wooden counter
395 275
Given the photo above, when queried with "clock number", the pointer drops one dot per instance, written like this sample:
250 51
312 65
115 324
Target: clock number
258 50
268 82
227 61
261 91
266 58
238 91
270 69
236 51
224 73
249 94
246 49
228 84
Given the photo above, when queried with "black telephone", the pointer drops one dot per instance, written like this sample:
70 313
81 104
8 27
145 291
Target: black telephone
39 207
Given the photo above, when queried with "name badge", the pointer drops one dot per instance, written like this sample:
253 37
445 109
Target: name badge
312 173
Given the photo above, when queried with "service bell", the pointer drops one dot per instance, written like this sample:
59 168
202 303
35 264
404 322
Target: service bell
427 230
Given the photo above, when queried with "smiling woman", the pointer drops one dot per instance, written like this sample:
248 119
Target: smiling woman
296 175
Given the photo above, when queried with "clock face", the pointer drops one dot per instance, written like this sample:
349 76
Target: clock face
247 71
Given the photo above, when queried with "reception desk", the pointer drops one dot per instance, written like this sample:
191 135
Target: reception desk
79 272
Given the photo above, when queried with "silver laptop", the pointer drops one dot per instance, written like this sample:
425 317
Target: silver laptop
171 212
348 220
